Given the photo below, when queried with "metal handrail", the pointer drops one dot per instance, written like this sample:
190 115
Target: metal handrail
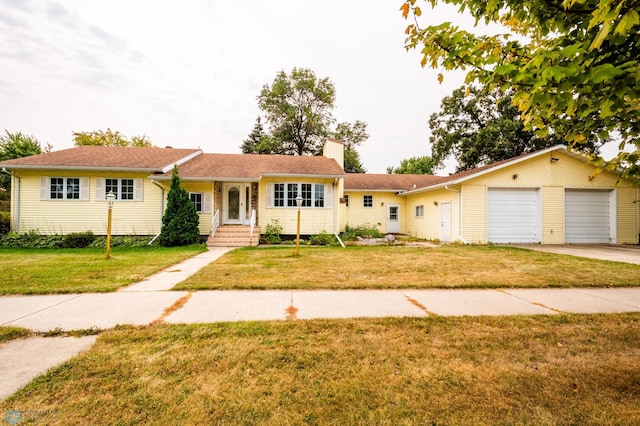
215 222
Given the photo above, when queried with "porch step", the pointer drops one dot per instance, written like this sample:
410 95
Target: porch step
234 236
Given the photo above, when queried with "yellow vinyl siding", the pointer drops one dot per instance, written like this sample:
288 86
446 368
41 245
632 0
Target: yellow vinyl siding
428 227
206 216
627 216
49 217
474 213
376 215
552 215
313 220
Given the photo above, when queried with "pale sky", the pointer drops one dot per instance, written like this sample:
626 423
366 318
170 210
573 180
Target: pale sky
186 74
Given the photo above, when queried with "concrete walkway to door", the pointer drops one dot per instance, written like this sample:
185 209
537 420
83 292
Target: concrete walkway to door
612 252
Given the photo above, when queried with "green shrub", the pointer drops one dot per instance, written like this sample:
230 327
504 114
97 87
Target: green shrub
180 222
123 241
78 240
31 239
323 239
363 231
272 233
5 222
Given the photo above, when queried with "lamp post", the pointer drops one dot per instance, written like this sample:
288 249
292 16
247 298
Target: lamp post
110 199
299 200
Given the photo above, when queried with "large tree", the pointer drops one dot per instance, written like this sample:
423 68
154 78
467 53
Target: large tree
424 165
109 138
17 145
299 110
573 64
478 126
352 135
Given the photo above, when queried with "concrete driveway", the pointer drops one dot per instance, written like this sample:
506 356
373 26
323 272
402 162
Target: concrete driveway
612 252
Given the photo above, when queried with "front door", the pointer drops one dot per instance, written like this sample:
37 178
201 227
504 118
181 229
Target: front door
236 203
393 219
445 222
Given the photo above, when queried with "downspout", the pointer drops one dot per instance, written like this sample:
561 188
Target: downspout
15 197
336 207
459 213
161 209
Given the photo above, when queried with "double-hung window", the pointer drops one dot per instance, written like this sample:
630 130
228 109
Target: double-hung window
196 199
285 194
123 189
64 188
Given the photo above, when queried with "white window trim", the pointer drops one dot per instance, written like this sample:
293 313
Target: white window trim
328 195
138 189
45 188
364 204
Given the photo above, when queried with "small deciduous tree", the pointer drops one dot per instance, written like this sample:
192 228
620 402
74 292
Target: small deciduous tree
180 220
17 145
109 138
352 135
414 166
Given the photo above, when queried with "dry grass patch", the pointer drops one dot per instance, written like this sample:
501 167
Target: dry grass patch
42 271
407 267
546 370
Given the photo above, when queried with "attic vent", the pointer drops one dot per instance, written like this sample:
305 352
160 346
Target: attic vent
414 186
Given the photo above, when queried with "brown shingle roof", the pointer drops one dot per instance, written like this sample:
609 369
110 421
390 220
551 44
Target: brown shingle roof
388 182
253 166
117 158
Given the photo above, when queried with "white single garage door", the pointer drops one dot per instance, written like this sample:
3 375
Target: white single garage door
513 215
587 216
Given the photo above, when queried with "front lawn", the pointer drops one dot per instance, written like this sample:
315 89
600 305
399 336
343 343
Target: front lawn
40 271
406 267
542 370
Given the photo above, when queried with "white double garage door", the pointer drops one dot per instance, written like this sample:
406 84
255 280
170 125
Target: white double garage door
514 216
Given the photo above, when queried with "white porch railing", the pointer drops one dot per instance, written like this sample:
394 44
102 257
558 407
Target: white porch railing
215 222
252 222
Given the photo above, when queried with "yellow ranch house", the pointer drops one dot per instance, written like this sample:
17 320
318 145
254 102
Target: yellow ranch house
551 196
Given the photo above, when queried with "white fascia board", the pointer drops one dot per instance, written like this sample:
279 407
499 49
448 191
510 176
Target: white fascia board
493 169
393 191
191 156
302 175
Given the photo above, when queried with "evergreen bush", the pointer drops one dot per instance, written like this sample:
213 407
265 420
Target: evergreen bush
180 220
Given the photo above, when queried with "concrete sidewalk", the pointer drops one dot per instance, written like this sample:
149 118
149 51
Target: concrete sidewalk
103 311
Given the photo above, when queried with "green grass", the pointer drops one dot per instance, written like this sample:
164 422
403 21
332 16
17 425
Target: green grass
10 333
406 267
542 370
41 271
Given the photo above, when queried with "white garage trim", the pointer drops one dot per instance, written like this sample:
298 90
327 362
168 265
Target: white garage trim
513 215
589 216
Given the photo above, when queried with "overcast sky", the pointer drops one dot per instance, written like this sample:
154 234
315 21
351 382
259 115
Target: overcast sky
186 74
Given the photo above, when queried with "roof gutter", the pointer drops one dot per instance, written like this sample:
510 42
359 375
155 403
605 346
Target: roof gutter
79 168
460 237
